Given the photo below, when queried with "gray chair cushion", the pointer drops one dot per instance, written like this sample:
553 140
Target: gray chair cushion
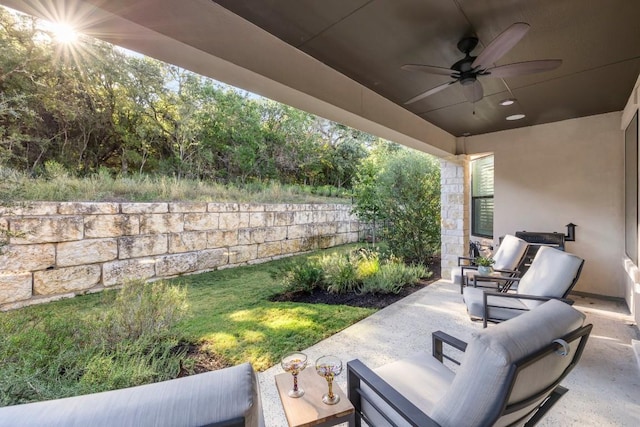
481 379
552 272
510 253
198 400
420 378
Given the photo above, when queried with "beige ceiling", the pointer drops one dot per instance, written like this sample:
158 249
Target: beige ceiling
368 41
341 58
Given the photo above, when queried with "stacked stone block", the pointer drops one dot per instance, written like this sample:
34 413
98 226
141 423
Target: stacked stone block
63 249
455 212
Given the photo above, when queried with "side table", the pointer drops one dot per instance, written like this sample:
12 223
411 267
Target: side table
309 410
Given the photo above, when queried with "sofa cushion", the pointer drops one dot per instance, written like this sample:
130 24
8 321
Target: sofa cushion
208 399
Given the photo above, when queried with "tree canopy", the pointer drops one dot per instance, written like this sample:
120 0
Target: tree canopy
90 105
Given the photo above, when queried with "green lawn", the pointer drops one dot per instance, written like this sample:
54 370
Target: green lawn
46 350
233 317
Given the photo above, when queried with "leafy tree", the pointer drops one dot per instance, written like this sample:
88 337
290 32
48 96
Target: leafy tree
403 188
409 189
92 107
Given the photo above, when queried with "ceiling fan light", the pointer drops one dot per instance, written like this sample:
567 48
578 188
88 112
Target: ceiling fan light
508 101
467 80
515 117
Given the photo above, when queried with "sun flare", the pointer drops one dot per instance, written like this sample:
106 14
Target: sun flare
64 32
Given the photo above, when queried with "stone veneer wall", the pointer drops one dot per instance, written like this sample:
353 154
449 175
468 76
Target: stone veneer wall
65 249
454 199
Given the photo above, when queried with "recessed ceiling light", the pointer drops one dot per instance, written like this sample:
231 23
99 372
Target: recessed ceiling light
508 101
515 117
466 134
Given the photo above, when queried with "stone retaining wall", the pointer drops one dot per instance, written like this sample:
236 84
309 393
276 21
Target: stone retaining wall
60 250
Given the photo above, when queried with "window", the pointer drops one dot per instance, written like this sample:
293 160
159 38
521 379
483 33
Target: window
631 189
482 197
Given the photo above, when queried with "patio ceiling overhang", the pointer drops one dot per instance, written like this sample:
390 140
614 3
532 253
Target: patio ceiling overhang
204 37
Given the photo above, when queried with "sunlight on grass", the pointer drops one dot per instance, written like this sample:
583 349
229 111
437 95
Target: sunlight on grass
289 319
220 342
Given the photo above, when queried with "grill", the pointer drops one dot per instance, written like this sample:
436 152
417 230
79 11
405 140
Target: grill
536 240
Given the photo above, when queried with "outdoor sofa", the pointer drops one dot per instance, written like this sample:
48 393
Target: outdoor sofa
227 397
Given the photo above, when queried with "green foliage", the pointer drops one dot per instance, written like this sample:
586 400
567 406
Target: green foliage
49 352
368 264
360 270
403 188
98 107
102 186
392 277
302 276
144 309
484 261
340 273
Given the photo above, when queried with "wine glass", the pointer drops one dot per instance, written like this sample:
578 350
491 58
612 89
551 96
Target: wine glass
328 367
294 363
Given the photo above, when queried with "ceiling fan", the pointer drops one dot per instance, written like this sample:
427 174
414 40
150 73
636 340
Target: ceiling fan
468 69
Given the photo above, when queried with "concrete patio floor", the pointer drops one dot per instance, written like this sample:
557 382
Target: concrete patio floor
604 389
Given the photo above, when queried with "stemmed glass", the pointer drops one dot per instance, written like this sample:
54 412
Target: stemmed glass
328 367
294 363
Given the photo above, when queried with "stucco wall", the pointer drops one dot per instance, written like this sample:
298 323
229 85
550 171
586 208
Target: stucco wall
549 175
632 273
63 249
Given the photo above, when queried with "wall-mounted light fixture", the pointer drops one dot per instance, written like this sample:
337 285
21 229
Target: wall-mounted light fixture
571 233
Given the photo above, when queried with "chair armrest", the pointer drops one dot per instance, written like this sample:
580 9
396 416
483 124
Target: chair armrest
494 279
438 338
504 270
468 267
358 372
486 305
507 281
518 296
465 258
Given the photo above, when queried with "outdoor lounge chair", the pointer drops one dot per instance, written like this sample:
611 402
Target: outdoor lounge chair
508 258
553 273
508 375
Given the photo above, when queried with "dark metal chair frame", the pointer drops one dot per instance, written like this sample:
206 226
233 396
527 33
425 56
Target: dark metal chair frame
358 372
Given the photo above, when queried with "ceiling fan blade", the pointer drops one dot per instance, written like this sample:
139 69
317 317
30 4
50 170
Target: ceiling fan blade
522 68
473 92
429 92
430 69
501 45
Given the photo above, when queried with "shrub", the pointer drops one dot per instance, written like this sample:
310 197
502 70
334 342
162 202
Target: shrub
340 273
368 263
302 277
402 188
392 277
145 309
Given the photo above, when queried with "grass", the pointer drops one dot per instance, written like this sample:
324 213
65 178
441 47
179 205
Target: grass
233 317
50 351
16 186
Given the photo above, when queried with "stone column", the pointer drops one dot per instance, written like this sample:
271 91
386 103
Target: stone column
455 198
